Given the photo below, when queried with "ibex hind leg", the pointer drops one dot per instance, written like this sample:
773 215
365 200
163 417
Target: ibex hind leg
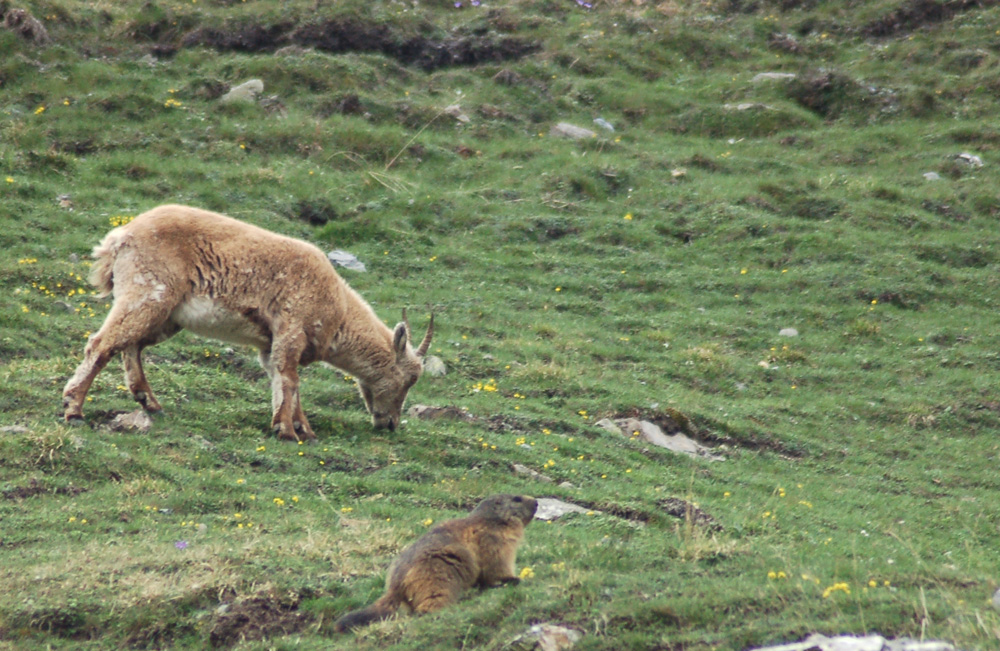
135 378
127 325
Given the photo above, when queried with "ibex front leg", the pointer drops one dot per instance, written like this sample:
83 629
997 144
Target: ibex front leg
288 420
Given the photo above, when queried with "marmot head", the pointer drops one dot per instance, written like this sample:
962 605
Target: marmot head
507 508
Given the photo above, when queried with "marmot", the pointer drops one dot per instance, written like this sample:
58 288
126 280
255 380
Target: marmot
477 550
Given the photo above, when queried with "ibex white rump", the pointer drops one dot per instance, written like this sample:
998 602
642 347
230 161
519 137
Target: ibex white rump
177 267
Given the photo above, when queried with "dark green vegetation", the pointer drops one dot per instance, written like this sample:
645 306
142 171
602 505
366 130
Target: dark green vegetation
632 273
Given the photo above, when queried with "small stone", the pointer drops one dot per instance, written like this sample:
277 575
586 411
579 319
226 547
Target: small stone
609 425
996 599
932 176
248 91
135 421
427 412
788 332
571 131
533 474
346 260
14 429
549 508
651 432
772 76
604 124
747 106
434 366
969 159
455 111
545 637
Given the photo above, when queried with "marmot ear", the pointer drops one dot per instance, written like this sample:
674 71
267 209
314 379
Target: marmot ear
399 337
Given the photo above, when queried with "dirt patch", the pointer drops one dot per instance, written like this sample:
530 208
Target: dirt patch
339 36
34 487
914 14
22 23
686 510
257 617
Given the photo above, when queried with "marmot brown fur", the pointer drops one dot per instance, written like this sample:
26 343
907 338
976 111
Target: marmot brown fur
477 550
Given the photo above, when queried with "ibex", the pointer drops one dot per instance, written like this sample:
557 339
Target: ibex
177 267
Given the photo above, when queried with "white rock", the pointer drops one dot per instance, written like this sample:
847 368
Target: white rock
135 421
970 159
434 366
788 332
652 433
546 637
248 91
818 642
772 76
534 474
567 130
609 425
549 508
932 176
604 124
455 111
996 599
346 260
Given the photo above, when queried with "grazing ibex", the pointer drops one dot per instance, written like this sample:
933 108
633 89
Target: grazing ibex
177 267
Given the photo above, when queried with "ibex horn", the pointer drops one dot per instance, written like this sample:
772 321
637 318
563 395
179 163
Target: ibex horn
426 343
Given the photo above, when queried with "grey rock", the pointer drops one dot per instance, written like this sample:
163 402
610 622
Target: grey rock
571 131
604 124
533 474
748 106
772 76
455 111
428 412
14 429
550 508
203 442
996 599
346 260
652 433
818 642
932 176
545 637
135 421
434 366
248 91
609 425
788 332
969 159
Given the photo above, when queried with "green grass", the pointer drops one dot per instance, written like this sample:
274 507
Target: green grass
642 272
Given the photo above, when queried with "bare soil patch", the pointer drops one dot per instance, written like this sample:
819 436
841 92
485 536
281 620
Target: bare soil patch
915 14
340 36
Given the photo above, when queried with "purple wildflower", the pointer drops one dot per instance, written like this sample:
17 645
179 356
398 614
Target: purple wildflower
181 544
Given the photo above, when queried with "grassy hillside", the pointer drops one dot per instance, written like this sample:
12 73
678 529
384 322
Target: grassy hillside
645 271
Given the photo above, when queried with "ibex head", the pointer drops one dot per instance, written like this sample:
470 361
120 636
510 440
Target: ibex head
384 398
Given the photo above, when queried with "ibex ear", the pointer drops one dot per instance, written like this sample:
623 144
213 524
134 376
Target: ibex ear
399 337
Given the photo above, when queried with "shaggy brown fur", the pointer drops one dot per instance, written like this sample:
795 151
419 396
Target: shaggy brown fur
454 556
176 267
